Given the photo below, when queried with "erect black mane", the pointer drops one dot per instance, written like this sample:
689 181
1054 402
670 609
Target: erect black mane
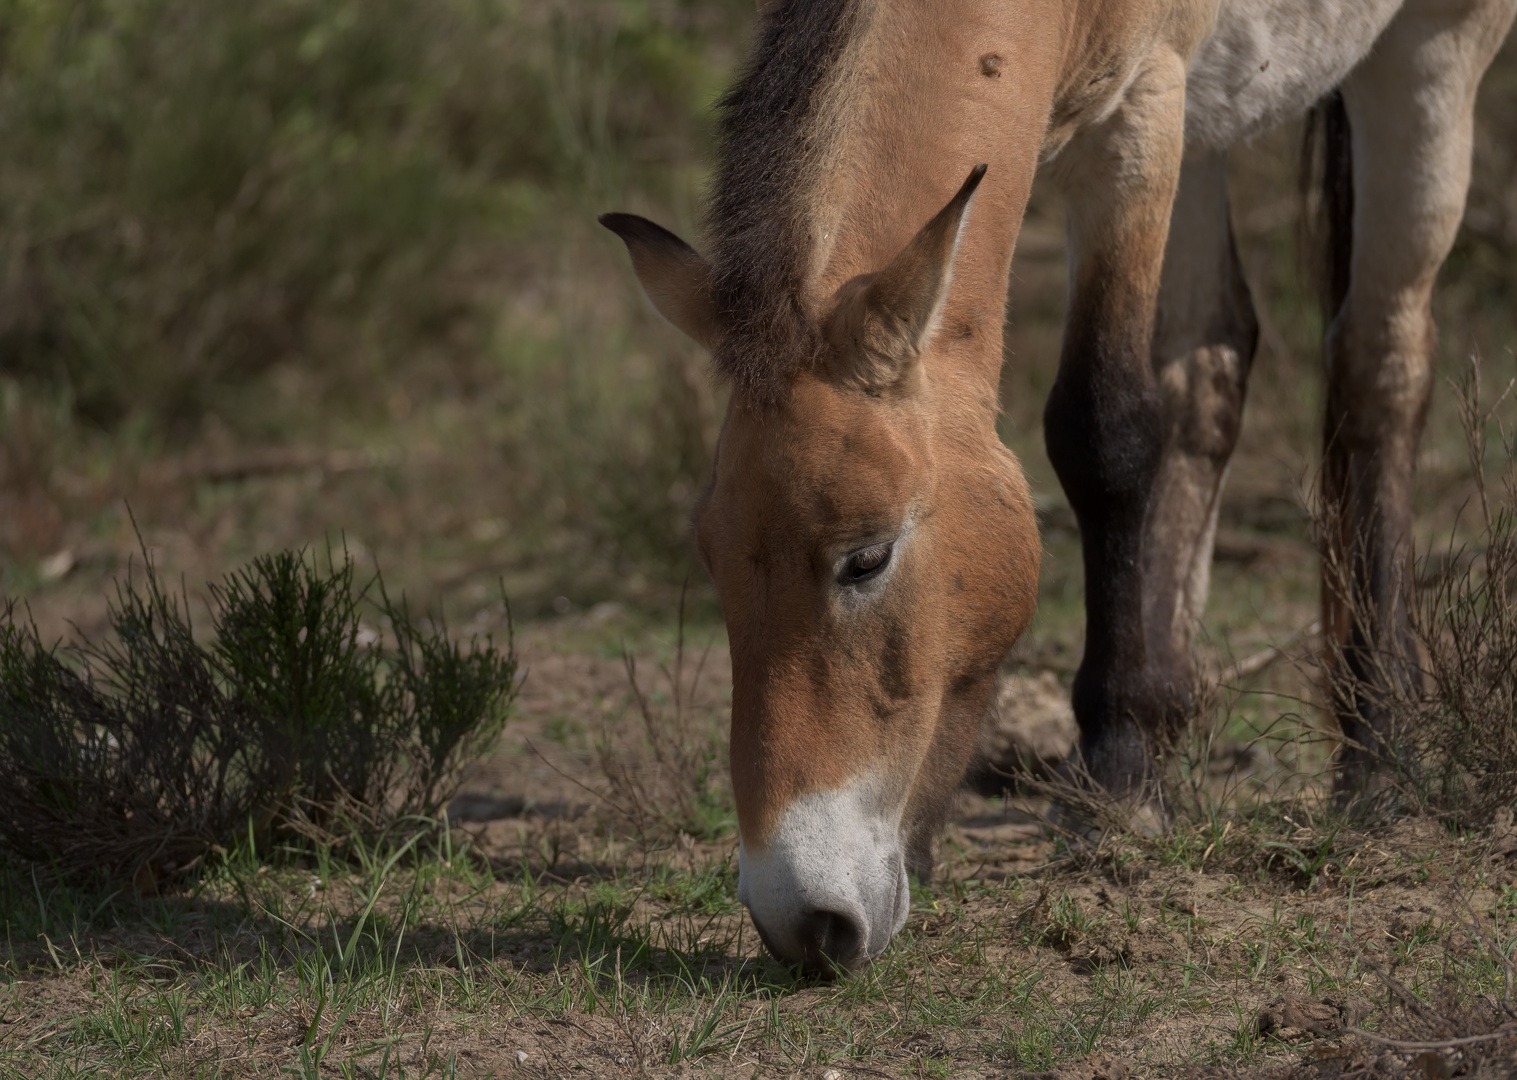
756 218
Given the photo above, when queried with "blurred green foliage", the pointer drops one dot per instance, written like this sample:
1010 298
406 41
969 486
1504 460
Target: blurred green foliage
331 224
191 193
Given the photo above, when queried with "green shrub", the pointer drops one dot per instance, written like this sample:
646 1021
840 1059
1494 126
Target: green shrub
145 752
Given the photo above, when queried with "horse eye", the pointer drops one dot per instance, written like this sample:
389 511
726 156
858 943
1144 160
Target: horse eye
866 562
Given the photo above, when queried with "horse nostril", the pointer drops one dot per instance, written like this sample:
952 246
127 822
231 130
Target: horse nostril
831 943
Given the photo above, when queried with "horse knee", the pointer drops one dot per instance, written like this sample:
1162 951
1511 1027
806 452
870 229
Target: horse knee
1380 382
1203 393
1104 434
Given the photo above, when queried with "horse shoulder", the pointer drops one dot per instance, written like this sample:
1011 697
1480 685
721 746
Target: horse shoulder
1112 49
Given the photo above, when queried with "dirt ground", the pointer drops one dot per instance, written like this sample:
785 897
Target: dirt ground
1181 928
559 934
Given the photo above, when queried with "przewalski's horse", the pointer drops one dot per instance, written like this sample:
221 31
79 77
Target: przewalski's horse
870 538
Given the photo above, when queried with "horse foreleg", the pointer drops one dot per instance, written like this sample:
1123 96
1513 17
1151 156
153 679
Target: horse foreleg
1204 338
1103 424
1410 105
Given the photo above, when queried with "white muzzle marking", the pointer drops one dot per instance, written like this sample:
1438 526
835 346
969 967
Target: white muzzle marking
836 855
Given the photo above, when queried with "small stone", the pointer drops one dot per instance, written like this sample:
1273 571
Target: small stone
832 1074
521 1057
56 566
1436 1066
1032 728
1504 832
1294 1017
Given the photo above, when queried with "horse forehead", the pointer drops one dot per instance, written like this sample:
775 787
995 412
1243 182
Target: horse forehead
821 451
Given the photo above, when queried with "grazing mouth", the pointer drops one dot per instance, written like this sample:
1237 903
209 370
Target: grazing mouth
829 890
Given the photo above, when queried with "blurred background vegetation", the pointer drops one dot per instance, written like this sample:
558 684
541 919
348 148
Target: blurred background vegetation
237 239
275 273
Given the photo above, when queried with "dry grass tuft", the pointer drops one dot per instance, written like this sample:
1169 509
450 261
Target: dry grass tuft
1444 702
679 782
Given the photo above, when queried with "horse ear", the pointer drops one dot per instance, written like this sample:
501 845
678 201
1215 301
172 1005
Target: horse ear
882 321
673 275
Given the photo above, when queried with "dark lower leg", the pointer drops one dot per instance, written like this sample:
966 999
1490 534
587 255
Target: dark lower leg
1104 423
1368 470
1410 105
1103 428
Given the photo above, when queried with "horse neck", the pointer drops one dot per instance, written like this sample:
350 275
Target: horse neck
923 100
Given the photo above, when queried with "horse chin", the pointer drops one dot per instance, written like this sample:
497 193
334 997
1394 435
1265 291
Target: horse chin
923 837
829 889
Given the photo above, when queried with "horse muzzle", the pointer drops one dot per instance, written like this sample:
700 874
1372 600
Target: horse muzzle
828 890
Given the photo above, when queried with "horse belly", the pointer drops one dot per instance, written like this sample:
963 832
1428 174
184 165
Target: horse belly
1267 60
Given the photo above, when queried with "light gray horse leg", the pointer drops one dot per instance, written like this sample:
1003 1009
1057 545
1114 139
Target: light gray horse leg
1410 105
1204 338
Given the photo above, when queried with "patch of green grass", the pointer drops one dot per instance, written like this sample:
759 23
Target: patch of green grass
397 961
134 1026
711 888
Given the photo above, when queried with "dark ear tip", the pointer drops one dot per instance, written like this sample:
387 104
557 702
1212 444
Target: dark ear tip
639 230
976 174
628 226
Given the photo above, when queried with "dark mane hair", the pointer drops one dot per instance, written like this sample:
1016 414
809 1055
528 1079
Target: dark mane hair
757 218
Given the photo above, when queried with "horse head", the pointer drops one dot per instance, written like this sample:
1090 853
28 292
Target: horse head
876 555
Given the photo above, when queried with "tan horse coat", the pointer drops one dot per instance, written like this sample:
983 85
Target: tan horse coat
872 541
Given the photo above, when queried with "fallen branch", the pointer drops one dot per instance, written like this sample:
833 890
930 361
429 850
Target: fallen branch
1252 665
1432 1044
